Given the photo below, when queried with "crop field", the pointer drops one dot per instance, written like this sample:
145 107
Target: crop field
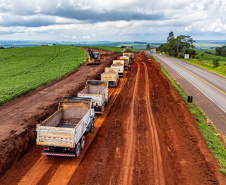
25 69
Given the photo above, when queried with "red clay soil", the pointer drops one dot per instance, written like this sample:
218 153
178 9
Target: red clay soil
146 136
19 117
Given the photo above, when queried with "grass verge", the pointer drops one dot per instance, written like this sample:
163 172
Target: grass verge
215 141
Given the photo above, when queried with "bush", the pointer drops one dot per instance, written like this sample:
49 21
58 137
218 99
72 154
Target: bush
208 52
216 62
180 55
202 54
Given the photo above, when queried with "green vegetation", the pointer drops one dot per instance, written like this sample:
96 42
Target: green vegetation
208 55
216 62
25 69
179 46
221 51
209 132
109 48
208 45
205 59
148 47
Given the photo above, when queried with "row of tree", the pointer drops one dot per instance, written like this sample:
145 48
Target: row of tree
221 51
178 46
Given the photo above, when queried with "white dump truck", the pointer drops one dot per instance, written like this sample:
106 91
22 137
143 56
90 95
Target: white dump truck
98 91
126 61
119 64
63 133
131 55
111 76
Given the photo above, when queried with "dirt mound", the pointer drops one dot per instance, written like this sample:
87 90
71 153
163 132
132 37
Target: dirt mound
129 51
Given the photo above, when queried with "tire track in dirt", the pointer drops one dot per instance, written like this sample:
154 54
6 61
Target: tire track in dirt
143 172
158 168
126 175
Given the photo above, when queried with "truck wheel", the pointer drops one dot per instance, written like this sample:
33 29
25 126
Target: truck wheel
82 142
77 149
102 109
91 128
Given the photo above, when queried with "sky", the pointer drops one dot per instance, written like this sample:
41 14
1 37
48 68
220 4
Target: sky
111 20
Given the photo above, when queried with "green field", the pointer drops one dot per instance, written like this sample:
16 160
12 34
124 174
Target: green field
208 45
108 48
206 61
209 57
24 69
113 48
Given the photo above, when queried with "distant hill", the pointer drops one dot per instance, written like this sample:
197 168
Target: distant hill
199 44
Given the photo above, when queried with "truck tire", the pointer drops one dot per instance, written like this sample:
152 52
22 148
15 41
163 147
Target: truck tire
77 149
82 142
102 109
91 127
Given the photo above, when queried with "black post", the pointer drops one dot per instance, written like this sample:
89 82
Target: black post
190 99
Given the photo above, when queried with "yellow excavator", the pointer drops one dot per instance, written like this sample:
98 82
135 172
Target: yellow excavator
93 58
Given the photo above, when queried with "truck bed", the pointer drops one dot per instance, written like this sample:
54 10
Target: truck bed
62 125
94 89
69 123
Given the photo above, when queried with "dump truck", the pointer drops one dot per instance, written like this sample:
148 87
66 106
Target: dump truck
126 62
93 58
119 64
131 55
63 133
98 91
111 76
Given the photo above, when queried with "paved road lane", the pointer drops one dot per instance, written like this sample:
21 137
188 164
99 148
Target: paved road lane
207 88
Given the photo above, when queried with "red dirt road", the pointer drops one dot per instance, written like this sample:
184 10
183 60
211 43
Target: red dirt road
145 136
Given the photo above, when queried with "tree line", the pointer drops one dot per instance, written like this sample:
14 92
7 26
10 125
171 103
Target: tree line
221 51
179 46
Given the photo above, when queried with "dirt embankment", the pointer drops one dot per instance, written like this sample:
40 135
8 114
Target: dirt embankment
19 117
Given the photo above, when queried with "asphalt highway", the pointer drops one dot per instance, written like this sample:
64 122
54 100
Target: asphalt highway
208 89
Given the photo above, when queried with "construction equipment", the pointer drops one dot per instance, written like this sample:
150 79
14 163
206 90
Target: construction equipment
119 64
131 55
98 91
126 61
63 133
110 75
93 58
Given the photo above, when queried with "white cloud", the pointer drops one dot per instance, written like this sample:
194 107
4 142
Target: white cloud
110 20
